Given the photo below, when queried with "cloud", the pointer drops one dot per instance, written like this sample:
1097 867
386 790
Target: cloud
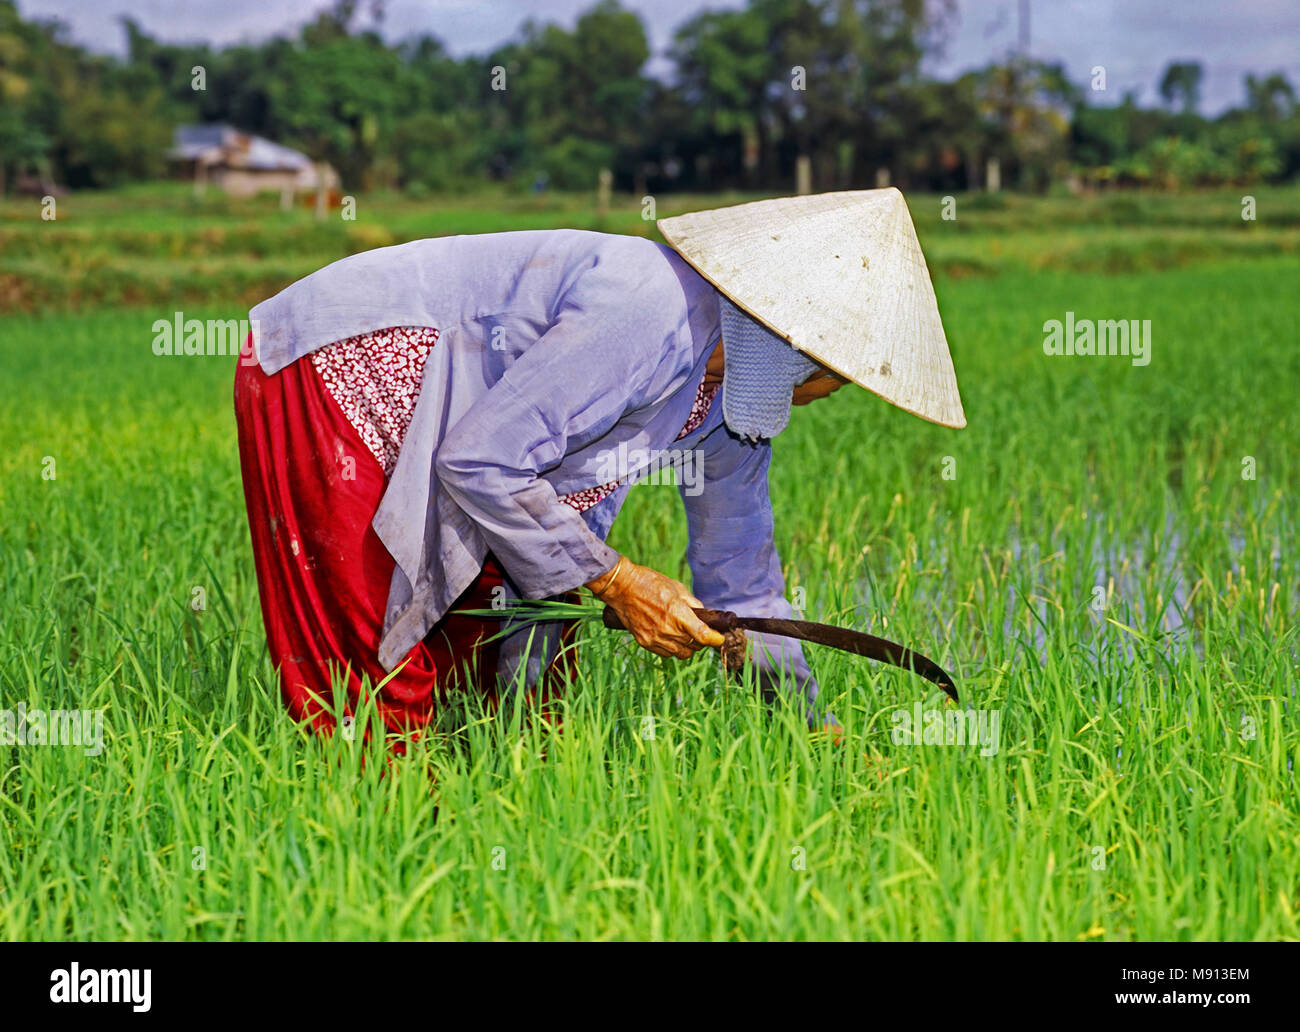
1134 40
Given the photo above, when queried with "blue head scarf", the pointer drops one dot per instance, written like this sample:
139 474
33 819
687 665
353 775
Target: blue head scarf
760 373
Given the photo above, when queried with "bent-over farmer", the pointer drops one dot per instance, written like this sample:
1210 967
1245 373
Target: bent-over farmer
426 429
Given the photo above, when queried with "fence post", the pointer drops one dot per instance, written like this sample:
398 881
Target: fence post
604 184
993 175
803 175
322 192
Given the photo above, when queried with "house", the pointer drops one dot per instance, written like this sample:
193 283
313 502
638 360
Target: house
243 164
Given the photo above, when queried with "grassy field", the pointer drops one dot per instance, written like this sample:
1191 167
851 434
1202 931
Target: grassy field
1143 782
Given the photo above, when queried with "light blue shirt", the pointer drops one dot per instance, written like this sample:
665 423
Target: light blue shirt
556 348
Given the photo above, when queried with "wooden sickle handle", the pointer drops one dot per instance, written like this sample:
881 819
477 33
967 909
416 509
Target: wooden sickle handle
721 620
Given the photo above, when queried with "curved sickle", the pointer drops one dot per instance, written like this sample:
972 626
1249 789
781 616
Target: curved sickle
880 649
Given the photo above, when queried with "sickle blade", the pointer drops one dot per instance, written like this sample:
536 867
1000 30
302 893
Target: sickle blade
880 649
860 644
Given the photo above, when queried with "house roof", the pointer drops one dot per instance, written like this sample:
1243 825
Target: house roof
233 147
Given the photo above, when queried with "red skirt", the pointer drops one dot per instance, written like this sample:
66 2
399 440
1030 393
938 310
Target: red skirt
312 487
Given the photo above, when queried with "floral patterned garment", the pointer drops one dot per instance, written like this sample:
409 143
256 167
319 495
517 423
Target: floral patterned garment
375 379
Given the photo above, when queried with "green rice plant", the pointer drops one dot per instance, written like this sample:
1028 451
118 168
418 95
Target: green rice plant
1105 559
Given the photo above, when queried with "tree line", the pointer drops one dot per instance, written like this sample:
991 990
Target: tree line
748 96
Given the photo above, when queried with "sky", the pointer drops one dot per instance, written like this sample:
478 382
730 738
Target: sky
1132 39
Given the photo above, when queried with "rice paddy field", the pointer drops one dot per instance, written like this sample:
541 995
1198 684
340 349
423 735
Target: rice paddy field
1106 560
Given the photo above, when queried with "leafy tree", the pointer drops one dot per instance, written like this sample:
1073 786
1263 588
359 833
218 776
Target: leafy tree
22 143
754 89
1180 86
572 100
1271 97
1026 104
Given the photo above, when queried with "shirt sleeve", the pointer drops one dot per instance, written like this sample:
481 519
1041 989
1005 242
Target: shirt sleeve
733 558
614 345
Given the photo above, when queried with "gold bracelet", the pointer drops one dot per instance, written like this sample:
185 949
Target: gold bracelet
613 576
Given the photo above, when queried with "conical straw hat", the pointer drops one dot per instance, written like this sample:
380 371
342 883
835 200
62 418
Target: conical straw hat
842 278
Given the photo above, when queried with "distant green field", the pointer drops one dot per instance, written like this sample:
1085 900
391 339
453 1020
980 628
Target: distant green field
162 246
1142 785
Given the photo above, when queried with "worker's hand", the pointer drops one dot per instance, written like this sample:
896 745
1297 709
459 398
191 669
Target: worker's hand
656 609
